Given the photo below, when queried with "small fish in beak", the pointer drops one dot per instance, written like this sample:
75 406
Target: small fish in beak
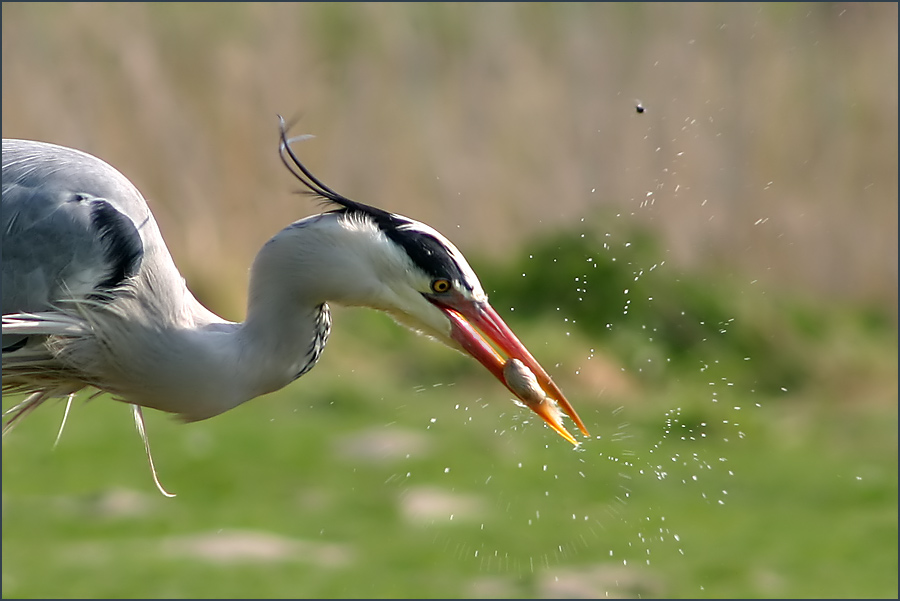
523 383
519 371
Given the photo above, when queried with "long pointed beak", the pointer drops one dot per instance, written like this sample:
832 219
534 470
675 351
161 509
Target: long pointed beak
533 386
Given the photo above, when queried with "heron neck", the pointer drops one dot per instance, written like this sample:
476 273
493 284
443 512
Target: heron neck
205 365
280 344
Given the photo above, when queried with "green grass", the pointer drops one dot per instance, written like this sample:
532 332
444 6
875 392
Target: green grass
678 495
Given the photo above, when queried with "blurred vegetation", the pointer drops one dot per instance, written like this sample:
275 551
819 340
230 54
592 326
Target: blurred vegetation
713 282
627 300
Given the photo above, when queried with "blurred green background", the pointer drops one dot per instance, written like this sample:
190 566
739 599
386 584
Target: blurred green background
712 281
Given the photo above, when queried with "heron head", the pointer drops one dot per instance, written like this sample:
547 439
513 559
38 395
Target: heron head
416 275
457 312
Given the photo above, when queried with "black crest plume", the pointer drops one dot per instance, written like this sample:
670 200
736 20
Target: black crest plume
323 192
426 250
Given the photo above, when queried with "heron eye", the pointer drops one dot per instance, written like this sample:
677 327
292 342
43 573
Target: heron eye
440 285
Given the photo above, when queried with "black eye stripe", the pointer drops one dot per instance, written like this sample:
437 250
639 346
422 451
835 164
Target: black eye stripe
427 252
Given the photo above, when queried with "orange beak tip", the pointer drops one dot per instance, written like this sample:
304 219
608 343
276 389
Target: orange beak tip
524 384
549 411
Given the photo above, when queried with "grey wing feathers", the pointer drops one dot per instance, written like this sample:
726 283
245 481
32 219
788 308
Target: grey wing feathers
65 229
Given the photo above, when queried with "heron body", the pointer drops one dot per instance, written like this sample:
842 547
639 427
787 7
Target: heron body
91 296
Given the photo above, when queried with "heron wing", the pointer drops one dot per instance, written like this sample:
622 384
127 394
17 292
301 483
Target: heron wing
70 227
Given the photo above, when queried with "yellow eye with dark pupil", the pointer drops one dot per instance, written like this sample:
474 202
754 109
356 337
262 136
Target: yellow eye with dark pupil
440 285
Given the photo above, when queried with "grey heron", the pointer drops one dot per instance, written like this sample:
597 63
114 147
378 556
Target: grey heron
91 296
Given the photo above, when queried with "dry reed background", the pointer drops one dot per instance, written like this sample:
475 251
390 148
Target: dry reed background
768 147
